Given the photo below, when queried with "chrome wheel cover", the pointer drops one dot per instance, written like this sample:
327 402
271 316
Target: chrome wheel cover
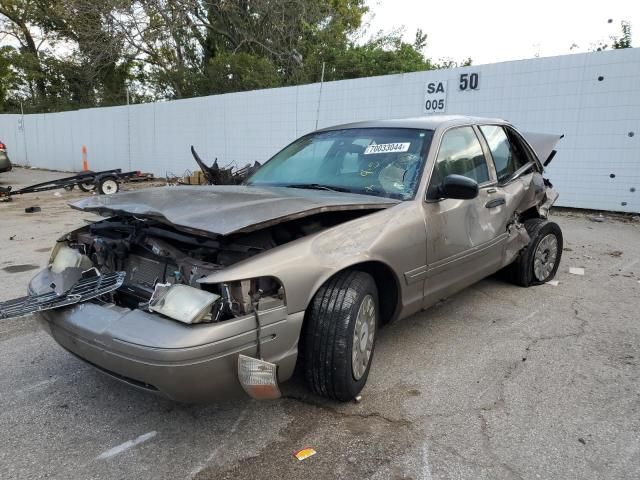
544 258
363 337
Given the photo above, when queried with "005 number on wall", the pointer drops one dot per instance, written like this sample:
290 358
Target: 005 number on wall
434 105
435 97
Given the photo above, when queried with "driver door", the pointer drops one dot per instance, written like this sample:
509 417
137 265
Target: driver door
464 237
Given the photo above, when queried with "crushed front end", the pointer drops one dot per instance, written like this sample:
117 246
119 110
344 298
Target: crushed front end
161 328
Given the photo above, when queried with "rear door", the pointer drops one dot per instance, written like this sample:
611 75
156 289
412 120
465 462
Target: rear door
465 238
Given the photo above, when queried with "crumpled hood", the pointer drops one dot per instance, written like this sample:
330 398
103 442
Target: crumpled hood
228 209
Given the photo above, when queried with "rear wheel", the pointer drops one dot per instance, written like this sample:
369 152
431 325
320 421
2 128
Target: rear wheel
539 261
87 186
340 335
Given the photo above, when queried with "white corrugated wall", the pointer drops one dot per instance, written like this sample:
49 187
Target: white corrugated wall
593 98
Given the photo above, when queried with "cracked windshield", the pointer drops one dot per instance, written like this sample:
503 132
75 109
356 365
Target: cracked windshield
385 162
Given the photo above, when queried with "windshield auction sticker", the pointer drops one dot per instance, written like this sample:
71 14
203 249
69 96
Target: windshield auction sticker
386 148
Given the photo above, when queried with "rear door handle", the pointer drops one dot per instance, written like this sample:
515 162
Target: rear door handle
496 202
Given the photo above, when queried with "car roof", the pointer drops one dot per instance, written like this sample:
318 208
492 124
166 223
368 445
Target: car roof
426 122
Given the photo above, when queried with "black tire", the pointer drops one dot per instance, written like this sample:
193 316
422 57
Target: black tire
329 335
87 186
108 185
522 270
68 188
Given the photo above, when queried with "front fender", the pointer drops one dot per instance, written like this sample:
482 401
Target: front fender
394 237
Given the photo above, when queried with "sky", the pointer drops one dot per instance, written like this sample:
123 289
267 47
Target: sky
498 30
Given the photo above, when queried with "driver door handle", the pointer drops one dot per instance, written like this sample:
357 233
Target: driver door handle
496 202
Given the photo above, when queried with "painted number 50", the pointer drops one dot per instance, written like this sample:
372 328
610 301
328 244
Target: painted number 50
468 81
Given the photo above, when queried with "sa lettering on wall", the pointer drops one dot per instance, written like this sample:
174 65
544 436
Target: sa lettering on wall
435 97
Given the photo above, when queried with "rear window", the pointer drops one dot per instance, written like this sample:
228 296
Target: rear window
508 155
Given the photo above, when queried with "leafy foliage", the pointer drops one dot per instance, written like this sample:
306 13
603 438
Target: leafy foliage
623 41
617 42
69 54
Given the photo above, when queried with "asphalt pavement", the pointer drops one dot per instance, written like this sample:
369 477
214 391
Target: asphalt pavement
497 382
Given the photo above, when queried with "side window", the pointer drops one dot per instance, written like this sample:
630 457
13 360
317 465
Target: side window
461 154
507 152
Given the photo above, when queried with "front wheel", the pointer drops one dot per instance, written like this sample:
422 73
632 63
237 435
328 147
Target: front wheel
539 261
340 335
108 186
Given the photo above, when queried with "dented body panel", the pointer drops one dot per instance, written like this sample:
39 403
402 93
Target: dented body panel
228 209
422 250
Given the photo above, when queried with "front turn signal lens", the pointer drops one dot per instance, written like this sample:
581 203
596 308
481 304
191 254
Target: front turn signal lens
258 378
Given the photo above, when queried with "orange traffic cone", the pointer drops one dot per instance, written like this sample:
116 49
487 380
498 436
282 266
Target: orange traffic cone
85 162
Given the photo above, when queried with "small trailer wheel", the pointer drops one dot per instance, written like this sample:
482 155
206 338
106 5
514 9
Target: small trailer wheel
68 188
108 185
87 186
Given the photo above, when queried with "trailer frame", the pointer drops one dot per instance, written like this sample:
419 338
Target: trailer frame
106 182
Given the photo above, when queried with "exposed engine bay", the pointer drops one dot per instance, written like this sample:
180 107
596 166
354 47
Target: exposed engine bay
155 257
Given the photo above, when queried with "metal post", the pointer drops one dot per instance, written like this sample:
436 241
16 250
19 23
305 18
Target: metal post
24 136
128 128
320 96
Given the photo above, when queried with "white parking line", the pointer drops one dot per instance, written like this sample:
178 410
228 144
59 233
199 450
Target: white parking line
629 265
215 451
126 446
35 386
426 468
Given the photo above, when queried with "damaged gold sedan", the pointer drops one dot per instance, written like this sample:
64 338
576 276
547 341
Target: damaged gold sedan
200 292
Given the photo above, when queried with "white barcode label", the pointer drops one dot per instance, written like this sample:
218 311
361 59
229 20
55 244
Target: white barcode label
386 148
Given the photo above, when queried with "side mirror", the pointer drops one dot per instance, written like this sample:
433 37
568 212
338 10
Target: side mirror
458 187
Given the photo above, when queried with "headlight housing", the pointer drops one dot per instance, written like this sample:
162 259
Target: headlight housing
182 302
239 297
216 302
63 257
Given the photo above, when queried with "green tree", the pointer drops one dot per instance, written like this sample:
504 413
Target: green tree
64 53
238 72
69 54
624 40
617 42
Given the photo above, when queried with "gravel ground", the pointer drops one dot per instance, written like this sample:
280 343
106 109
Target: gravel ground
497 382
